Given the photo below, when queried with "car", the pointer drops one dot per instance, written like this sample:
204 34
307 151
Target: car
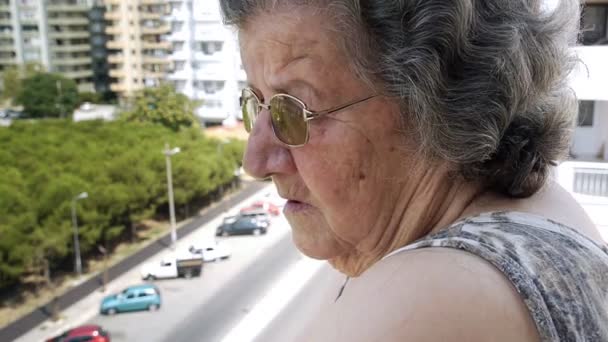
133 298
258 214
187 265
263 205
242 225
89 333
210 251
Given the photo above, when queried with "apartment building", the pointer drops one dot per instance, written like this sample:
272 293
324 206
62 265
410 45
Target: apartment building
205 58
590 82
137 51
54 33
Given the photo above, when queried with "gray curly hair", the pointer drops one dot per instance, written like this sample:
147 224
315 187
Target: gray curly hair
481 83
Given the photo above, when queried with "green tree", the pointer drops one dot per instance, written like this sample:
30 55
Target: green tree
12 79
48 95
163 105
92 97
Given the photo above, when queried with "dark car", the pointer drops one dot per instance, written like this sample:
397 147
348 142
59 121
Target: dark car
89 333
257 214
242 225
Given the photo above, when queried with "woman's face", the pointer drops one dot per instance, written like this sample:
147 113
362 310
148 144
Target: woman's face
343 184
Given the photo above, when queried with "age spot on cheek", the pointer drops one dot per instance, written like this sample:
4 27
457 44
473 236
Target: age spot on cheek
361 176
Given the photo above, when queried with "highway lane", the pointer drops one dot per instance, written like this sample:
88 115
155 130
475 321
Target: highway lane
205 308
293 319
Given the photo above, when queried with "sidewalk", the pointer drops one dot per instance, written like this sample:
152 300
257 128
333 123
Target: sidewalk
86 308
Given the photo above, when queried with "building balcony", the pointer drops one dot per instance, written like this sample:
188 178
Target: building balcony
116 59
112 16
72 61
70 34
5 8
114 45
117 73
68 21
6 21
76 74
154 74
27 34
71 48
8 61
590 79
67 8
112 30
118 87
155 60
150 15
7 47
152 2
218 56
162 29
6 34
164 45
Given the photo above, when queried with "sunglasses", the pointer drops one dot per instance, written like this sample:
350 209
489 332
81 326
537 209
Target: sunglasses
288 114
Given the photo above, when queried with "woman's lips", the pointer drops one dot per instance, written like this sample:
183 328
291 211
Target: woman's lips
293 206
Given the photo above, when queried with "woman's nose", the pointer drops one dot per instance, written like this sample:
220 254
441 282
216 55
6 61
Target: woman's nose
265 155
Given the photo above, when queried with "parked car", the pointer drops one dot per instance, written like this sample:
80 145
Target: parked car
242 225
186 266
210 251
133 298
89 333
265 206
258 214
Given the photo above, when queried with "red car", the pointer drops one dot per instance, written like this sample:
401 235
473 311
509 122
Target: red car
267 206
89 333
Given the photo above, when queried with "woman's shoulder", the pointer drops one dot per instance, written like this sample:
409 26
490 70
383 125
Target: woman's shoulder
435 294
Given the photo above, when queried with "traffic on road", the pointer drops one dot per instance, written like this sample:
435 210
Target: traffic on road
211 279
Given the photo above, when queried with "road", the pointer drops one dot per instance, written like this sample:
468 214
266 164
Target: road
206 308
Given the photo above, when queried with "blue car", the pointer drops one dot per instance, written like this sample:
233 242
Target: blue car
133 298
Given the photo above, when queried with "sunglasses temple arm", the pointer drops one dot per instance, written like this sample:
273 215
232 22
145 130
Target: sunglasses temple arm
311 115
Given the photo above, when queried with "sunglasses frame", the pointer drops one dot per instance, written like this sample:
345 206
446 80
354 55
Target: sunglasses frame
307 114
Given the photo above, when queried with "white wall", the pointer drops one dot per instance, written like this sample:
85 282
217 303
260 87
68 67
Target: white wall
588 142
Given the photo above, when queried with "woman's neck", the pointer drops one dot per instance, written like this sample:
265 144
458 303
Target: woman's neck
433 202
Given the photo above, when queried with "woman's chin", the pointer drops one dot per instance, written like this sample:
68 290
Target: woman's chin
315 244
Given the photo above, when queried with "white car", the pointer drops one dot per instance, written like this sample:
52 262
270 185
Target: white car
211 251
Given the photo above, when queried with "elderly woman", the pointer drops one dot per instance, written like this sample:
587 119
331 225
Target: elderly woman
413 141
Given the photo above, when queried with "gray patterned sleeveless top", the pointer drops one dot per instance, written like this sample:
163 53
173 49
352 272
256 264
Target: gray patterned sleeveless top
561 275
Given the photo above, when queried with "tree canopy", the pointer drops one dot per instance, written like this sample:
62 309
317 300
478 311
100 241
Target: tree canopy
163 105
48 95
46 163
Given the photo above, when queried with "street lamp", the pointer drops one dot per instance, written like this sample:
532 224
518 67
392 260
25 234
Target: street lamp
78 262
168 153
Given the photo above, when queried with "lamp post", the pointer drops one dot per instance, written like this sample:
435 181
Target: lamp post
168 153
78 262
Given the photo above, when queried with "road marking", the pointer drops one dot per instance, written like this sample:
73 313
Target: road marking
274 301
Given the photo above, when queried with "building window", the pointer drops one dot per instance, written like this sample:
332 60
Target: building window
593 23
586 111
177 46
210 48
179 65
176 26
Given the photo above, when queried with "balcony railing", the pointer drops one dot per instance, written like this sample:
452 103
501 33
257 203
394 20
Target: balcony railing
162 29
68 21
588 181
70 34
72 61
71 48
156 45
67 8
584 178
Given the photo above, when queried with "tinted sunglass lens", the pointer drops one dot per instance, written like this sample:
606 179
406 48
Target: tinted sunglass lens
249 107
288 120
